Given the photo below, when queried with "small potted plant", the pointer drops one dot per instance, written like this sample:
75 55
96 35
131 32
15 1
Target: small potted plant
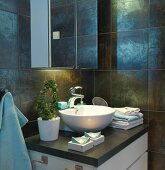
47 108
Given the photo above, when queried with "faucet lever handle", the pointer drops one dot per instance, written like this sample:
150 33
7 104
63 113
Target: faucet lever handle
73 90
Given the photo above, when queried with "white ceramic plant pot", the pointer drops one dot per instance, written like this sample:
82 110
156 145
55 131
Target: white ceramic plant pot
48 129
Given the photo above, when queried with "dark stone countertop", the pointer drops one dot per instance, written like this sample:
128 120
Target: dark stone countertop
115 141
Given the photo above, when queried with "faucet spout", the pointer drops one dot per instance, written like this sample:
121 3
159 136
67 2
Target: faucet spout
72 100
74 96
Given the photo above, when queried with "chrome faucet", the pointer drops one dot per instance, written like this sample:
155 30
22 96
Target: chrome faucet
75 96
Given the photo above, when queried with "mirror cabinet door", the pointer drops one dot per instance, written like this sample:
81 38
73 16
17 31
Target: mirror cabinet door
74 33
64 33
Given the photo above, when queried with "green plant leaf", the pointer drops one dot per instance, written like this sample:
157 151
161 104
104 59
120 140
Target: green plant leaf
47 100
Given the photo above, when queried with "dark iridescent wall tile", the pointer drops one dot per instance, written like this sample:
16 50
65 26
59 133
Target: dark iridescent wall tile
64 52
104 16
157 132
102 85
49 74
107 46
87 51
157 48
132 50
63 20
55 3
9 5
30 129
145 116
31 82
86 17
9 79
156 90
8 40
156 161
129 88
87 82
24 7
24 42
129 15
66 79
157 13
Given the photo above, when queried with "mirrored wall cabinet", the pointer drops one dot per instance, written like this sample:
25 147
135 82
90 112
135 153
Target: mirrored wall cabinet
64 34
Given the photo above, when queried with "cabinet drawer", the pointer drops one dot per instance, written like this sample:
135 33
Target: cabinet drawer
55 163
126 157
141 163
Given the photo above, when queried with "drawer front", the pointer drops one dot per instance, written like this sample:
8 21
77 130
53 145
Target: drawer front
141 163
126 157
41 161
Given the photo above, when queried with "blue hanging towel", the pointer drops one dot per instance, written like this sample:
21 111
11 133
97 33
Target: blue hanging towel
13 151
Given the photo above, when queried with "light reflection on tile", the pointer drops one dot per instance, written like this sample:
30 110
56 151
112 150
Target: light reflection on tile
87 51
87 17
127 90
132 50
8 40
129 15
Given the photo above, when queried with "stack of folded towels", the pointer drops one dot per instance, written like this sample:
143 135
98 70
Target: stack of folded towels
127 118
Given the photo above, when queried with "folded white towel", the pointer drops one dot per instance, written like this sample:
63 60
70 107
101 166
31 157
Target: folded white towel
126 126
123 123
126 118
128 110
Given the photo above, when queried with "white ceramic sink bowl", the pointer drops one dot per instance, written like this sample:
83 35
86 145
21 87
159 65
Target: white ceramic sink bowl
87 118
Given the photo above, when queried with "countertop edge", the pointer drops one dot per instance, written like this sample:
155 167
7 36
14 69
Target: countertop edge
86 159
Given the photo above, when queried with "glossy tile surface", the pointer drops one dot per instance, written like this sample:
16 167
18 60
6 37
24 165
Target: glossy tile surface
129 88
31 82
102 85
145 116
87 82
24 42
157 13
107 54
132 50
157 131
156 90
9 79
157 48
87 51
87 17
8 40
129 14
131 56
65 80
9 5
64 52
104 16
156 161
63 20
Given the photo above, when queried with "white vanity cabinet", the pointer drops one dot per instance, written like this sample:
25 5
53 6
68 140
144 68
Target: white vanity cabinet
132 157
55 163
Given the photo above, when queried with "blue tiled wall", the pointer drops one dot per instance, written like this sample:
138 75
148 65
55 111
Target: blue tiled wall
131 62
131 50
